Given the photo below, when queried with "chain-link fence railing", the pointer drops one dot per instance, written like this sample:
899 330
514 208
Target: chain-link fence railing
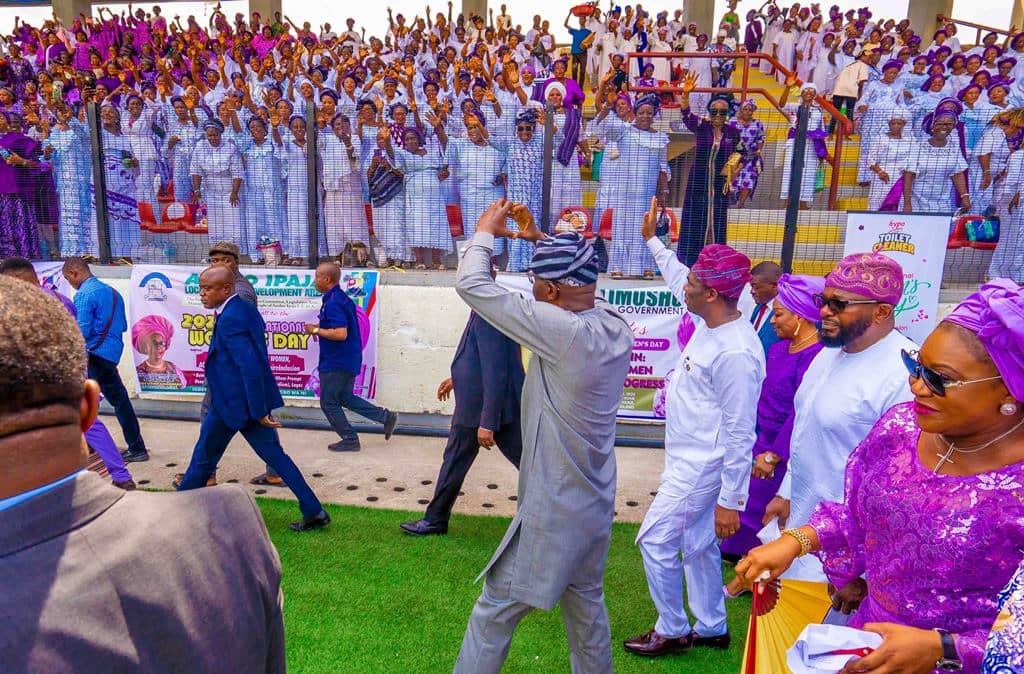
397 177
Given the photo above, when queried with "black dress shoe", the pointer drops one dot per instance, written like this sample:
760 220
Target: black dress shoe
345 446
720 642
424 528
135 457
318 521
389 424
652 645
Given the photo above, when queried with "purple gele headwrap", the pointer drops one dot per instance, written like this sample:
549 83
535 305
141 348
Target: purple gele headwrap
927 84
870 275
722 268
796 293
995 314
893 63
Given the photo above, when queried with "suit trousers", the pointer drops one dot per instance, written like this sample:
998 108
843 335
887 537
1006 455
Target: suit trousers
214 436
495 616
459 455
685 524
336 394
106 375
205 407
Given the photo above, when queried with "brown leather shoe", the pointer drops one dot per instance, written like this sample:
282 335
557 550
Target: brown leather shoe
178 477
127 485
720 642
653 644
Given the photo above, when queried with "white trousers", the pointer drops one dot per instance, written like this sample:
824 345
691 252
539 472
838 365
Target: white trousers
684 524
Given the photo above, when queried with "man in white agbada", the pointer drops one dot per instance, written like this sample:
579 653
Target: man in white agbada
711 405
848 386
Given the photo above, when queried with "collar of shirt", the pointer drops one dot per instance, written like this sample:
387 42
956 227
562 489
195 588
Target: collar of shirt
218 309
12 501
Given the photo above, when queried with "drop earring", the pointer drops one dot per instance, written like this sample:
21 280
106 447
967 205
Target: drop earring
1008 409
796 333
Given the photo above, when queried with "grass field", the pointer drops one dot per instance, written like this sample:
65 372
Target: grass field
361 597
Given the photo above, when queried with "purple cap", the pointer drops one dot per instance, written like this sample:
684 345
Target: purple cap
995 314
870 275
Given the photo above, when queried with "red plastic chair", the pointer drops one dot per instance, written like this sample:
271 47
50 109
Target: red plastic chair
455 220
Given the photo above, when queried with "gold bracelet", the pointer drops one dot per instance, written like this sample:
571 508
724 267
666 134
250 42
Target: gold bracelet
801 538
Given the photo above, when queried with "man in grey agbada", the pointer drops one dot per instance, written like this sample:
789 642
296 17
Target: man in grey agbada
556 546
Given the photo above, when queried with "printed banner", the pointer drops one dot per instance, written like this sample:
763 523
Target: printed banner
50 276
653 313
170 330
918 242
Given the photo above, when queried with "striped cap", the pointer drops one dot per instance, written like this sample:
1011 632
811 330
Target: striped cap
722 268
566 258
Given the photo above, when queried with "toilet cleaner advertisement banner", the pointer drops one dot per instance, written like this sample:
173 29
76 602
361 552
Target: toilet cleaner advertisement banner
653 313
169 330
918 242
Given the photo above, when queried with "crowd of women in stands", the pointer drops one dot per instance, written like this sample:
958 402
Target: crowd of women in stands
418 132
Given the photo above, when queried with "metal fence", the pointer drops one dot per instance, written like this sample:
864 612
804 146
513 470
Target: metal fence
403 185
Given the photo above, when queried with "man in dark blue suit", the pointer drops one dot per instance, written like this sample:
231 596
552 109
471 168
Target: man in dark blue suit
764 286
243 394
487 377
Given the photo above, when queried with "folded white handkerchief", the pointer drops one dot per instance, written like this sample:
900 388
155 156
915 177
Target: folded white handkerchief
827 648
770 532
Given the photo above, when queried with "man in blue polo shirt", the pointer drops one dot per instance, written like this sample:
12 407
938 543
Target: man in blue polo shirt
577 50
341 358
102 321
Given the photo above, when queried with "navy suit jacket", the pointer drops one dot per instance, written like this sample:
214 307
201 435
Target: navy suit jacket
242 387
767 333
487 374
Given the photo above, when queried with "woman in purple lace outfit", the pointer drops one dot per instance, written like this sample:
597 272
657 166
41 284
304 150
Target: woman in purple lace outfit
934 515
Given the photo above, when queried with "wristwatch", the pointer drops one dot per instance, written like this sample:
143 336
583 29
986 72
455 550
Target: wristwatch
950 660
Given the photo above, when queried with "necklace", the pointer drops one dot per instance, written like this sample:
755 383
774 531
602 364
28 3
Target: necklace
796 347
951 447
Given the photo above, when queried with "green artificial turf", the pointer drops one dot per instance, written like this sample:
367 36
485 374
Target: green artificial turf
363 597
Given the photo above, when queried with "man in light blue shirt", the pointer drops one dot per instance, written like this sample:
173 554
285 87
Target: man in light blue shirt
102 321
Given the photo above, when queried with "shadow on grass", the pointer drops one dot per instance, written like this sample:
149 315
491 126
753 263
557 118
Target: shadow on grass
361 597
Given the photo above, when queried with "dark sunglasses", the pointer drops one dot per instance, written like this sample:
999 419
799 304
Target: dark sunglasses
836 305
521 129
718 112
936 383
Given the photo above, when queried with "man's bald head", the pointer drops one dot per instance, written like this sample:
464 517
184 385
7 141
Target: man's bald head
217 274
328 274
42 354
216 285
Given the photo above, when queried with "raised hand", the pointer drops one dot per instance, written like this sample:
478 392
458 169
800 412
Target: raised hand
689 83
649 226
528 231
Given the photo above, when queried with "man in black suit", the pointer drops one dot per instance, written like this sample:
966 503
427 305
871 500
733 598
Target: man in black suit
487 377
243 394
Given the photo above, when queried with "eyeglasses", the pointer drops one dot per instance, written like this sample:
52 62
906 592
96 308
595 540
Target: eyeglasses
718 112
936 383
836 305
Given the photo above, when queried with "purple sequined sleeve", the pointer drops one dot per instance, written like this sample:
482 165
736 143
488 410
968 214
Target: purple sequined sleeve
840 526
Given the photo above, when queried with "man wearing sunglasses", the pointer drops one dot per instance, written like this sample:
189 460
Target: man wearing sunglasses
849 385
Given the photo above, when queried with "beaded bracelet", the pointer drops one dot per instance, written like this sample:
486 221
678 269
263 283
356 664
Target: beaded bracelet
801 538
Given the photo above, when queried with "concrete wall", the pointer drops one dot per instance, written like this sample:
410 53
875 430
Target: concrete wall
419 329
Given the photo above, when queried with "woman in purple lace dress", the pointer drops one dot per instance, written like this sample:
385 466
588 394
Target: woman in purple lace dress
752 138
793 317
933 515
18 232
